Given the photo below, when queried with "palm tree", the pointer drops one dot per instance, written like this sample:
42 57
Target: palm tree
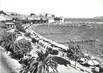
8 40
41 64
18 48
74 53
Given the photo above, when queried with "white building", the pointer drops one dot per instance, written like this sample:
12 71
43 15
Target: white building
51 20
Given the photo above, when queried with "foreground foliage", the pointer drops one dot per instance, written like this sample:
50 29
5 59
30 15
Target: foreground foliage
18 48
41 64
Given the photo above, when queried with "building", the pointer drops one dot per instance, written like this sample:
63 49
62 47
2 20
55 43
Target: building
10 25
51 20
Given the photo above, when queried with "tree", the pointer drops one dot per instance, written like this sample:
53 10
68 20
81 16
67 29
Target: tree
32 14
74 53
18 48
19 27
41 64
8 40
23 47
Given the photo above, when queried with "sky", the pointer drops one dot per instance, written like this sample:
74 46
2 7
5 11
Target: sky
66 8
